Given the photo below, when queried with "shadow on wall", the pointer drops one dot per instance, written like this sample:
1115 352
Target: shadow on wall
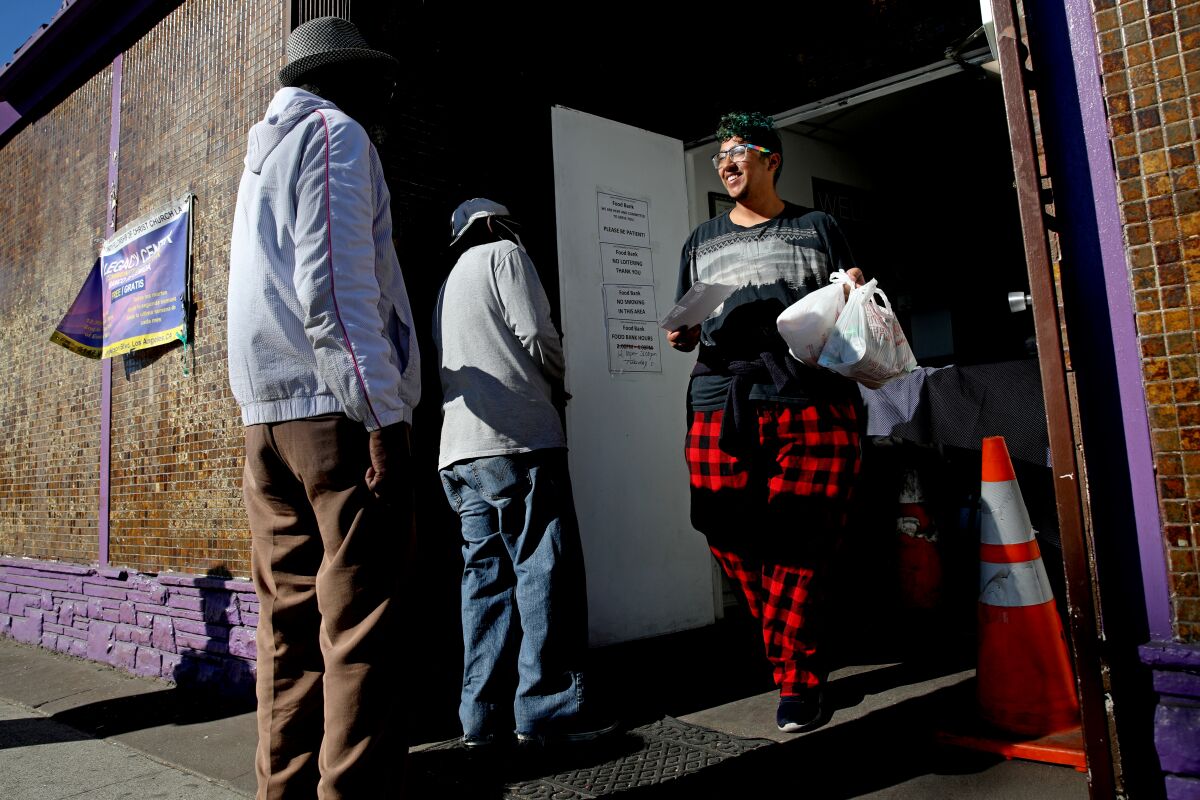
226 628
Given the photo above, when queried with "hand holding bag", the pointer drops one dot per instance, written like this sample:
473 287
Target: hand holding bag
867 343
806 324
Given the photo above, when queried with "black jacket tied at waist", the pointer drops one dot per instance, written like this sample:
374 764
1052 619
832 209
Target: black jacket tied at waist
739 422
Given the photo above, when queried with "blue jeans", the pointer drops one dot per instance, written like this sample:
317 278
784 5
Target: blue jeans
524 597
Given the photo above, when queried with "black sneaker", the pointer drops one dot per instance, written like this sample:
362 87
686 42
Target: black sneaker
484 742
801 712
583 727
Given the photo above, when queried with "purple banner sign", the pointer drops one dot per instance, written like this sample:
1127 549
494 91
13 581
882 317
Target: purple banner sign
138 288
82 329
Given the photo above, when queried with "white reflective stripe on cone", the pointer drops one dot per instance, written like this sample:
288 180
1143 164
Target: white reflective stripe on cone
1009 585
1002 515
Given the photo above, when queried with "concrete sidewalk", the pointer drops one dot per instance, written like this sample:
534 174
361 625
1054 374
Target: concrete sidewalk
71 728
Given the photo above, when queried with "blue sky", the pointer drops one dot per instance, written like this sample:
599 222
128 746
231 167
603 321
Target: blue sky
19 19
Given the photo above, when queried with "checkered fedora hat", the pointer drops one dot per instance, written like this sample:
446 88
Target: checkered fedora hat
328 40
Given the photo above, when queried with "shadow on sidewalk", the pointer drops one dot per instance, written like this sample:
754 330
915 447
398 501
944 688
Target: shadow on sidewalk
118 715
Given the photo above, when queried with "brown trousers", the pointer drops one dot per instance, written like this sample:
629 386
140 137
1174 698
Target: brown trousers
328 560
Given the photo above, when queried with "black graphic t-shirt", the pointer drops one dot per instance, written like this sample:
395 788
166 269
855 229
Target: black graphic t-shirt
772 264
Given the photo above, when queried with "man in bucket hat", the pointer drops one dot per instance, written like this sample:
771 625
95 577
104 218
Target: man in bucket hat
503 464
324 366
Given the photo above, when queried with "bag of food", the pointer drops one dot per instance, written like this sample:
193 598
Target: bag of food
807 323
867 343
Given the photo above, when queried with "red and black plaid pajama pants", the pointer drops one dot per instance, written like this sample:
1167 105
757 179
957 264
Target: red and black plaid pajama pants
772 518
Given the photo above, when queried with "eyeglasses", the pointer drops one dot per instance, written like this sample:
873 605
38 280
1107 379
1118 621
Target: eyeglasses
736 154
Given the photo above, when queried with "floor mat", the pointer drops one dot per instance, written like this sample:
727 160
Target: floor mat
659 752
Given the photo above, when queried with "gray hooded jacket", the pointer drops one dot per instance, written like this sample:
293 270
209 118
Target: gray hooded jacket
319 319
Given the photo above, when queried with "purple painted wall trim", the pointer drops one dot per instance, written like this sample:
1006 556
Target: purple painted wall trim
1177 718
183 628
8 115
78 33
114 150
1124 329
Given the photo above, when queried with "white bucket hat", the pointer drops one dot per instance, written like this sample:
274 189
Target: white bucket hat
471 210
329 40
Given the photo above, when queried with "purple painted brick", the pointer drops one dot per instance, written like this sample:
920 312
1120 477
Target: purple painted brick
5 622
51 627
8 587
140 583
47 601
99 590
78 648
1171 655
128 613
145 619
123 633
202 628
204 644
221 607
81 624
75 585
99 641
28 629
155 597
199 581
66 614
115 573
1181 684
241 643
63 645
47 566
74 633
1176 729
191 603
110 615
1181 788
18 602
50 641
170 665
14 572
4 602
37 582
170 612
149 662
250 620
162 635
124 655
94 609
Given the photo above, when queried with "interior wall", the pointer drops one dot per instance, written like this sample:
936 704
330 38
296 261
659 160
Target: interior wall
804 159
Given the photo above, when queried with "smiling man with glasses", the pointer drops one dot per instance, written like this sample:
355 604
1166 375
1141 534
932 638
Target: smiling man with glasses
772 445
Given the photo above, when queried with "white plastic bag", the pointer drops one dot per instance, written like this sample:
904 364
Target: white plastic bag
807 323
867 343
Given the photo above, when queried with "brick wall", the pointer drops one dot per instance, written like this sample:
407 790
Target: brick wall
192 87
1150 51
52 193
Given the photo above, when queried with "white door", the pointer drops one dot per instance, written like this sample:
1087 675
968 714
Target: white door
621 206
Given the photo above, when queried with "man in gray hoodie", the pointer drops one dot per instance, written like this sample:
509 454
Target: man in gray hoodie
324 366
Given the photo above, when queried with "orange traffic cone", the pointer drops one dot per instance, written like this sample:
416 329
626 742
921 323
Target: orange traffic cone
1024 676
918 561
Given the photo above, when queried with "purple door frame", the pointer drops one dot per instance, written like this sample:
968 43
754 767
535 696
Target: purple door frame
1086 148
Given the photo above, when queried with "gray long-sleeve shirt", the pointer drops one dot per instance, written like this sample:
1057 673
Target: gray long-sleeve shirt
498 352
